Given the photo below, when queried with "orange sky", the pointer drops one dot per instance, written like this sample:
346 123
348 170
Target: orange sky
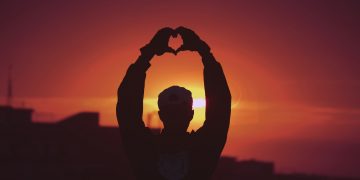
292 69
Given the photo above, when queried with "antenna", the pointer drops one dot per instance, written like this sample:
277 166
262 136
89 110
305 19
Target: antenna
9 90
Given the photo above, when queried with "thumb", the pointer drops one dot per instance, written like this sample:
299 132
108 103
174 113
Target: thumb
181 48
170 50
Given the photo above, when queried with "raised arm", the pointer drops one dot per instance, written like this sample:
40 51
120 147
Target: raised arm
218 97
129 107
136 138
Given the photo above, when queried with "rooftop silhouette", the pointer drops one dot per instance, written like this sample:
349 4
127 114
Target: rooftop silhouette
77 147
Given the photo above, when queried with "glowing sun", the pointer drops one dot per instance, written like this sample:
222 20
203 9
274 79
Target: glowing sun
199 103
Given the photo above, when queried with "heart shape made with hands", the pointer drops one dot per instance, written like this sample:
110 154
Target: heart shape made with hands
175 42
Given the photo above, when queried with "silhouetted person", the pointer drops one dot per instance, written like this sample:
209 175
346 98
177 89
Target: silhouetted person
174 154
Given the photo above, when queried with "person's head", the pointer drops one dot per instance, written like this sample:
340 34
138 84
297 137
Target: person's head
175 109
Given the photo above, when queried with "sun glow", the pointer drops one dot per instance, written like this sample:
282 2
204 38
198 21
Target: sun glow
199 103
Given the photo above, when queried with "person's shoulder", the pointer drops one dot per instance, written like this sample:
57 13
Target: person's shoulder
195 134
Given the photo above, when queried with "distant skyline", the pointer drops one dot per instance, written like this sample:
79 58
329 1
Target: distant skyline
292 68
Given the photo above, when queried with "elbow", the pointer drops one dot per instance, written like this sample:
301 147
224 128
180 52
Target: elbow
227 97
121 114
118 113
120 91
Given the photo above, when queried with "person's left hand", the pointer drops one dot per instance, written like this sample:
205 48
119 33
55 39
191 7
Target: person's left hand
159 43
191 41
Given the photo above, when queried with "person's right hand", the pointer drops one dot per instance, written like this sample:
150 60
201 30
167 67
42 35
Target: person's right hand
159 43
191 41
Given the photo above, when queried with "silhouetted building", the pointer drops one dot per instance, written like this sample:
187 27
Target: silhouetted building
82 120
231 168
78 148
15 116
75 148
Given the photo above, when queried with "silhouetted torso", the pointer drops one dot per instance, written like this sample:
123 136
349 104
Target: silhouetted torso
170 156
189 156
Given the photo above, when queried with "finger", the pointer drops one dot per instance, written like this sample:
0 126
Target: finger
170 50
174 34
167 31
181 30
181 48
162 31
187 33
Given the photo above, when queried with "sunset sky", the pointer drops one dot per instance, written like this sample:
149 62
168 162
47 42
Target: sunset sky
292 67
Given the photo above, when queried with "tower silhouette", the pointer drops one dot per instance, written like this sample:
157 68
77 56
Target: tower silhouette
9 88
